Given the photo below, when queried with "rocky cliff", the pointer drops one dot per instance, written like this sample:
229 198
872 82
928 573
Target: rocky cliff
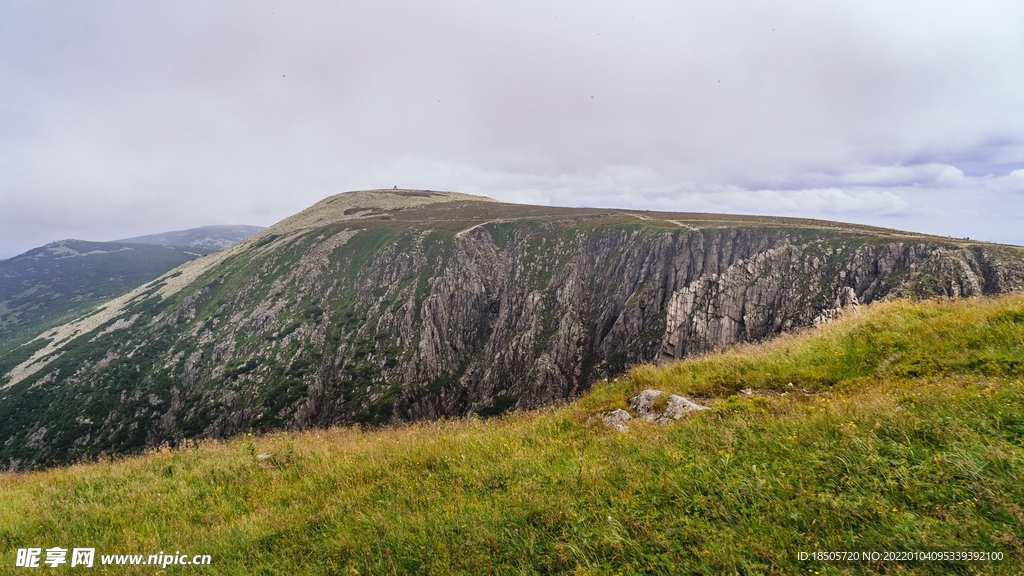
383 306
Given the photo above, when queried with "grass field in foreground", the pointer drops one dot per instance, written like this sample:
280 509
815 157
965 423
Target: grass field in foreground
911 439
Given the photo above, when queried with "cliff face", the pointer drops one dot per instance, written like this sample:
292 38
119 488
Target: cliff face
387 306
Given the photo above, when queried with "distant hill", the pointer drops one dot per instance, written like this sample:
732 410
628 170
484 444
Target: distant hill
39 288
207 237
45 284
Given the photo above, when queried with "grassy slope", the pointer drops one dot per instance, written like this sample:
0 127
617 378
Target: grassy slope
913 441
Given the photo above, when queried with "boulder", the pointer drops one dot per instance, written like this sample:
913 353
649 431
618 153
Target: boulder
643 403
679 405
617 419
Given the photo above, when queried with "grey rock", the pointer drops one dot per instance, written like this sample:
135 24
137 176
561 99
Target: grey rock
675 408
680 405
643 403
617 419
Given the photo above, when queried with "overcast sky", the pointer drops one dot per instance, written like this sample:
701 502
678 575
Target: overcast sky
127 118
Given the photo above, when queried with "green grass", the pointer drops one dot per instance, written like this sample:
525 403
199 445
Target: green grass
912 439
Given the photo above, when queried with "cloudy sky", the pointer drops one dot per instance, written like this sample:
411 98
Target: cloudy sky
125 118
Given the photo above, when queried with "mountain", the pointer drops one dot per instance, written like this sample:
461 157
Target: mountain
393 305
52 282
55 282
206 237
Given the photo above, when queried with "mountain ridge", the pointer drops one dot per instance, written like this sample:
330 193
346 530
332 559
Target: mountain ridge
391 305
41 286
64 278
207 237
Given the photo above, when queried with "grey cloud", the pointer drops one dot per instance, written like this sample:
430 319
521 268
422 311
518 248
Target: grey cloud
123 119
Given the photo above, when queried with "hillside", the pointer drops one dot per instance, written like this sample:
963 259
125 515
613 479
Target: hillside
903 431
61 280
206 237
395 305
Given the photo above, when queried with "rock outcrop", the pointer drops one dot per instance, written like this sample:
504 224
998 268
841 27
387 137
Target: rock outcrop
646 406
617 419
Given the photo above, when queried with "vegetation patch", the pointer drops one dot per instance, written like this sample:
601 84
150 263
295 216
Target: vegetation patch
502 232
500 404
19 354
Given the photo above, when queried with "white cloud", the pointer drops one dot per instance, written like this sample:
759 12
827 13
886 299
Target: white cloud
828 201
1012 182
